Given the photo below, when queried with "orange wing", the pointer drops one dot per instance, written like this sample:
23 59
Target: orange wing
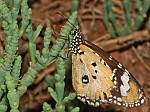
98 78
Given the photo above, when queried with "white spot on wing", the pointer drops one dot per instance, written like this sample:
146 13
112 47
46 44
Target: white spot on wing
136 104
125 87
88 102
115 101
119 99
142 101
102 61
140 96
79 97
110 58
113 74
110 99
97 104
107 65
119 65
85 80
79 51
96 54
92 103
115 97
118 103
83 99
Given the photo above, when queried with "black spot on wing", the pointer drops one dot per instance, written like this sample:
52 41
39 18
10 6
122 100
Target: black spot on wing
100 59
105 96
94 77
81 53
85 79
94 64
95 71
81 61
105 63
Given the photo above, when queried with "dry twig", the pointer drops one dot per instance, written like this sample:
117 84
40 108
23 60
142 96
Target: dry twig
140 59
124 41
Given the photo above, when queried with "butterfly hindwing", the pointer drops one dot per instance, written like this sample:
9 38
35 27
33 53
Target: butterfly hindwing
88 83
99 78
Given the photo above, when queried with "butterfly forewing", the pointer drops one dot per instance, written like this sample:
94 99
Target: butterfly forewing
98 78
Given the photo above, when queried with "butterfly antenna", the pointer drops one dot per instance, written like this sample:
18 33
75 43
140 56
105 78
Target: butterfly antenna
56 33
65 18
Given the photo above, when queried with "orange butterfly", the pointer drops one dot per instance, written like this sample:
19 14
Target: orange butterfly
98 78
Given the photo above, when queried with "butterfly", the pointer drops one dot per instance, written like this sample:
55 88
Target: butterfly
98 78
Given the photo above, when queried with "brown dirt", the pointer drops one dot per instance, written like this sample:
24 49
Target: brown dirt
135 57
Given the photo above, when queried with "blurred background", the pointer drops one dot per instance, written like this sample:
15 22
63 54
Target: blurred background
120 27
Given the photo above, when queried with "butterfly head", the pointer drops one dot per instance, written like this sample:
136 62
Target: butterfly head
77 40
